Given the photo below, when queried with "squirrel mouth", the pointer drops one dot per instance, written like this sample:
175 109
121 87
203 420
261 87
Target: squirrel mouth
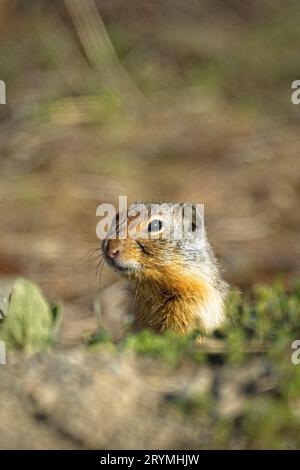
123 269
120 266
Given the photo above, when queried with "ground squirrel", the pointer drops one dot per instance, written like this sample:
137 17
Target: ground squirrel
173 283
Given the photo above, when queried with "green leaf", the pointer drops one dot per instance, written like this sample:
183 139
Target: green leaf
30 323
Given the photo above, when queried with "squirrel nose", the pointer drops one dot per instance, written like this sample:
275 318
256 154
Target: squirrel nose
112 251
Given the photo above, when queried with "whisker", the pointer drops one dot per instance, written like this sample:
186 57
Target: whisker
99 270
94 256
90 236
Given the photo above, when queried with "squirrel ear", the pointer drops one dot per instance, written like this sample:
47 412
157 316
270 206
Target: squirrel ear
193 217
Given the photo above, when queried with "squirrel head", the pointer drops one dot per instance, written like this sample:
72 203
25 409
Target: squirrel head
152 241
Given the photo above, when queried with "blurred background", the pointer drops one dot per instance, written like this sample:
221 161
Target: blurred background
164 100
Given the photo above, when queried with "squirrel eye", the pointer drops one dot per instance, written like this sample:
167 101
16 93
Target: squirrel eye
155 226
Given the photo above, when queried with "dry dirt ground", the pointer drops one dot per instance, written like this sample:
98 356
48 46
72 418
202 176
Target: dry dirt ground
104 400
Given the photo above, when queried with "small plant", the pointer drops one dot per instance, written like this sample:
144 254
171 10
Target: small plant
30 322
169 347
